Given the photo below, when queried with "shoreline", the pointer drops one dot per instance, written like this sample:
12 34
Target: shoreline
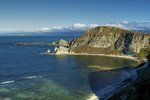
104 55
134 88
114 89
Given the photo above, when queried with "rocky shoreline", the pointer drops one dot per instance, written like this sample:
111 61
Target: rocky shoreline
138 89
117 90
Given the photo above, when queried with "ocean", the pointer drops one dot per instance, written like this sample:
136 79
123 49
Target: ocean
27 73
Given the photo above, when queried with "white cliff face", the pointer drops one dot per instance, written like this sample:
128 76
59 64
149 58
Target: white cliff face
61 50
110 39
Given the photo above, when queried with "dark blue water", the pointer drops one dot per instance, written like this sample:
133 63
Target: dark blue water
28 74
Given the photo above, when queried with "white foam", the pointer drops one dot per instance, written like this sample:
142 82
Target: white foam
34 77
93 97
7 82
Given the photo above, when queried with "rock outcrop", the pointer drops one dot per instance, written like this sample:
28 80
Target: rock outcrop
110 40
61 42
61 50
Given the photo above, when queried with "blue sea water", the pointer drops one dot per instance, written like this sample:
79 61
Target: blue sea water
28 74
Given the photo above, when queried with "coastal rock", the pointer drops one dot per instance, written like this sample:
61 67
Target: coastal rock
144 52
61 50
110 40
61 42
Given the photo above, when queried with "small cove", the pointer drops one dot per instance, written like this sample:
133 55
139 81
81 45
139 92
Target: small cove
29 74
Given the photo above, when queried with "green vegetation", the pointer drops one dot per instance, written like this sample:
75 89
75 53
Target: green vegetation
92 50
144 52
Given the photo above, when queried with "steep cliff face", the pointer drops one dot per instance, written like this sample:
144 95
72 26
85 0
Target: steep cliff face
110 40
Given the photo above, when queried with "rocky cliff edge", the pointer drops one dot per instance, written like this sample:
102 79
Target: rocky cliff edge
108 40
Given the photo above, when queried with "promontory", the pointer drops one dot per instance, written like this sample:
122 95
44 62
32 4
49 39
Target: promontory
107 40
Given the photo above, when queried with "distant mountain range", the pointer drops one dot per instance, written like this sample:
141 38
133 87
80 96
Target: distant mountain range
79 28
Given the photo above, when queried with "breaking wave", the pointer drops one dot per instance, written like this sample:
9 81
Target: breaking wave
33 77
7 82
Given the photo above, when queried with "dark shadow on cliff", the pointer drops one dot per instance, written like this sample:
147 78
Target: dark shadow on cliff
148 57
128 39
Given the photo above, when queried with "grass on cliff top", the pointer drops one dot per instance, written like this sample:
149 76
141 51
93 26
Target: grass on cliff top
108 30
105 30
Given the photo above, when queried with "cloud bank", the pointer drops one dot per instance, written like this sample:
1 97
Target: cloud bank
74 27
80 27
137 26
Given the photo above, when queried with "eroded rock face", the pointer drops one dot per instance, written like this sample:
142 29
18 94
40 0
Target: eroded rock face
61 50
61 42
108 40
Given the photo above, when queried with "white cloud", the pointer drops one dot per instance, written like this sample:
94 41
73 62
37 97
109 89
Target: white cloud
139 26
83 27
74 27
79 25
93 25
45 29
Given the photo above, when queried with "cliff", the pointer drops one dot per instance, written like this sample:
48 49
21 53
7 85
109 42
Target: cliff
61 42
109 40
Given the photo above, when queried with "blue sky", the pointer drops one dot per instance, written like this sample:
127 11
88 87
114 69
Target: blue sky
33 14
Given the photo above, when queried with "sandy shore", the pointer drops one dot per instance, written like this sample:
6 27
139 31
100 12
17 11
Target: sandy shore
119 56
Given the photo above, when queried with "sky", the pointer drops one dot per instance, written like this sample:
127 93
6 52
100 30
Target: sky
29 15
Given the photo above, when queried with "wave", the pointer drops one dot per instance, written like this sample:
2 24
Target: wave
12 81
7 82
33 77
92 97
43 53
